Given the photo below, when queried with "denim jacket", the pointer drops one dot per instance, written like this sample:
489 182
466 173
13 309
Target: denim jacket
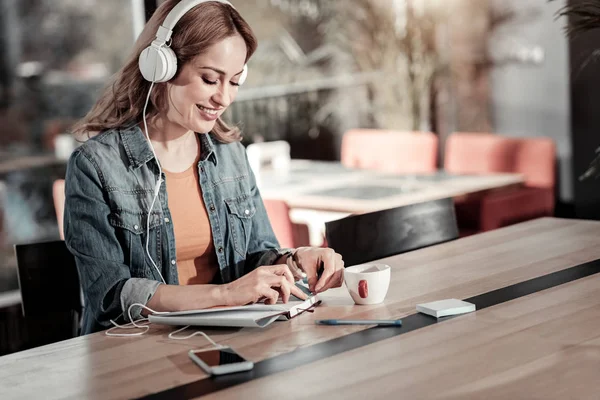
110 185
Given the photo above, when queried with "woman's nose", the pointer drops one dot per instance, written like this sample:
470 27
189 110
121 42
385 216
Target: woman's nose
223 96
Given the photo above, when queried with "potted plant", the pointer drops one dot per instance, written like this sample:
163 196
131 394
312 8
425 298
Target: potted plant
584 16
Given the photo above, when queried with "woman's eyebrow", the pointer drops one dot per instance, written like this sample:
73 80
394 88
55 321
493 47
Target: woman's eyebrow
218 70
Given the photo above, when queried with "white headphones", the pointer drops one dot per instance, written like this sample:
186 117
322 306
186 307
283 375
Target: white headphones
158 62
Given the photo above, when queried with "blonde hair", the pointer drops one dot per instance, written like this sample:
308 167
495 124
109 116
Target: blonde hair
122 100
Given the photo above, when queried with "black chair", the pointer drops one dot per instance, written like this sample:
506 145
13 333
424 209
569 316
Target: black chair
50 291
367 237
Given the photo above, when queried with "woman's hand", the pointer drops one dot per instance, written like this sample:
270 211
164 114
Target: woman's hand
312 259
267 282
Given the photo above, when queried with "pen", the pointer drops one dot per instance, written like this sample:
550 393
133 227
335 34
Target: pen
380 322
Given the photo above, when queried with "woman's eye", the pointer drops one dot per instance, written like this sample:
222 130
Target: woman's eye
209 82
234 83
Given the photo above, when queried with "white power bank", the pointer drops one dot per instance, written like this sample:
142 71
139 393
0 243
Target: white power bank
444 308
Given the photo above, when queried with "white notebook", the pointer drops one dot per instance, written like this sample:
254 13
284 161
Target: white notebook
444 308
250 316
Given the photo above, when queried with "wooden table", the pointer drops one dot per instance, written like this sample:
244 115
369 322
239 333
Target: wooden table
543 345
319 191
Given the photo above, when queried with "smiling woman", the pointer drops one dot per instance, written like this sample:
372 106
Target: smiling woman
203 239
202 91
197 33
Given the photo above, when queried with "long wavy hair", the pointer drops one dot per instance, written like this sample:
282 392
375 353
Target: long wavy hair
122 100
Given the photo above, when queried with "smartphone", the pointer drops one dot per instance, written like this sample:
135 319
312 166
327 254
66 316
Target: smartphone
220 361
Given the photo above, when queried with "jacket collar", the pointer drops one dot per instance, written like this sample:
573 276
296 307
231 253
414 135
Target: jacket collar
207 148
139 152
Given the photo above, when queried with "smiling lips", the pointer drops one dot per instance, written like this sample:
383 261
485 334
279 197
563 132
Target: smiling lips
209 114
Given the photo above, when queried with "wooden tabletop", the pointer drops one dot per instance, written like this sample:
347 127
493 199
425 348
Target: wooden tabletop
502 351
543 346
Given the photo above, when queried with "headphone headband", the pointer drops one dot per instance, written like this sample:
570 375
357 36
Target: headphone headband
158 62
166 29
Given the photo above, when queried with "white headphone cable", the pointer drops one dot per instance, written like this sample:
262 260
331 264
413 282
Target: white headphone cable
134 325
158 182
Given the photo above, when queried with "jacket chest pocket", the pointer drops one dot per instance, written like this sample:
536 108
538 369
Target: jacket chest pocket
131 231
240 211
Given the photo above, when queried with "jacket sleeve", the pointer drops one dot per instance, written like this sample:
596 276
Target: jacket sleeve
263 247
107 284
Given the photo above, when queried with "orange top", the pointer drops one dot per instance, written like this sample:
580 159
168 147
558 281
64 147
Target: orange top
196 257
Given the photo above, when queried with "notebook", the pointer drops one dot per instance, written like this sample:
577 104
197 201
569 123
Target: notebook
250 316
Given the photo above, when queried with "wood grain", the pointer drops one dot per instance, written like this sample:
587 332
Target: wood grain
542 346
97 366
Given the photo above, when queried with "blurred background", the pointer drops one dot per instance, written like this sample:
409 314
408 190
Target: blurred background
323 67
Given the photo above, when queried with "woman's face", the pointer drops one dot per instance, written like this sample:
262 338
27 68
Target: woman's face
207 85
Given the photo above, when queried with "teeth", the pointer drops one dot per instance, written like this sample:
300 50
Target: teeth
208 110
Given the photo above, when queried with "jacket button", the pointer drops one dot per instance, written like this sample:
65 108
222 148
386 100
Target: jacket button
220 250
247 212
136 227
172 262
167 220
212 208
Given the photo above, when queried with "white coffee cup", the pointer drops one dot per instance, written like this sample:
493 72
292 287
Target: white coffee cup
368 283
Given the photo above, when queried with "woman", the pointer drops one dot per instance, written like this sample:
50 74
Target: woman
207 241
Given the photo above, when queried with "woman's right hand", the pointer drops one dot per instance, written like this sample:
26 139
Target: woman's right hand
267 282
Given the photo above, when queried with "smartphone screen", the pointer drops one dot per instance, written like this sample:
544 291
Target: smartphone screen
216 357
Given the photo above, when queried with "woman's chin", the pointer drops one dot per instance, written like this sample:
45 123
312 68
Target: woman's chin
204 126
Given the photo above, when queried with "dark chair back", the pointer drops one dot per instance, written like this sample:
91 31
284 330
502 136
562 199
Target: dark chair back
50 291
367 237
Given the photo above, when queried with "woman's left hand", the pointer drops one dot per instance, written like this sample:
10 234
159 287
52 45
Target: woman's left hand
312 259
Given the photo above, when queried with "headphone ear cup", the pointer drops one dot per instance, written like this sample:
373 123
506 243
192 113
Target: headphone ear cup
157 64
243 75
171 63
152 64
